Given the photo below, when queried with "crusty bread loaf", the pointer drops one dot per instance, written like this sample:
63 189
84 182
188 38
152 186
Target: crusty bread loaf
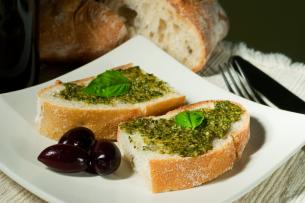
165 172
77 31
56 115
188 30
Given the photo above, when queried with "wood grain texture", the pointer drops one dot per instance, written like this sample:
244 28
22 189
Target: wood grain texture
10 191
286 184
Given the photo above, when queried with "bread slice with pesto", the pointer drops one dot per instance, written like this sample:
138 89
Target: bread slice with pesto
188 146
101 102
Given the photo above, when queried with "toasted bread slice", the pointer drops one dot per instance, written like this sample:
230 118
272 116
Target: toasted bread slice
166 172
57 115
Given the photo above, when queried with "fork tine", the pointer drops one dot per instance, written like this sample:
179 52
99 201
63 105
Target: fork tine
237 84
226 79
233 81
243 80
242 84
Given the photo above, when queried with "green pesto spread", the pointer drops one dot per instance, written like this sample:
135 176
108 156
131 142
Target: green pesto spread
144 87
166 137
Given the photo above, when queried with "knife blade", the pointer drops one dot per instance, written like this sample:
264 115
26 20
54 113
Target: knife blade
271 89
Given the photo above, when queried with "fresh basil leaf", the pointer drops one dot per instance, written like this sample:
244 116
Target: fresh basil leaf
189 119
182 119
108 84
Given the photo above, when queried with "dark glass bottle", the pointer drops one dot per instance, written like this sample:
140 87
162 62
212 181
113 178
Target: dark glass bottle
19 61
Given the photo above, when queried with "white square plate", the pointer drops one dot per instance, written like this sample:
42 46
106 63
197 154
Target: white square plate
275 136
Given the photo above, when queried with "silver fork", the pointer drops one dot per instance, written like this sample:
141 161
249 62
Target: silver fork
238 84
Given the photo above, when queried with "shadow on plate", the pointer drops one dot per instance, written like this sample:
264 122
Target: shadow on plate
256 141
124 171
79 174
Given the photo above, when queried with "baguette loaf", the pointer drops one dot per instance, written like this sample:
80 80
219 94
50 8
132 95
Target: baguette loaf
188 30
57 115
167 171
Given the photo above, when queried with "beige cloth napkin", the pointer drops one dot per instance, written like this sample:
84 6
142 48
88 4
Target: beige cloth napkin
287 184
278 66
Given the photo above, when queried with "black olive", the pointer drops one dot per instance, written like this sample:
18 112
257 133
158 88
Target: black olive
105 157
65 158
80 137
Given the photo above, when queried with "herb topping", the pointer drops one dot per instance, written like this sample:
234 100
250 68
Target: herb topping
137 87
167 137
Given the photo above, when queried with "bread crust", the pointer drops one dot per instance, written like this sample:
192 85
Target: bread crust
210 21
183 173
186 172
56 119
73 31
